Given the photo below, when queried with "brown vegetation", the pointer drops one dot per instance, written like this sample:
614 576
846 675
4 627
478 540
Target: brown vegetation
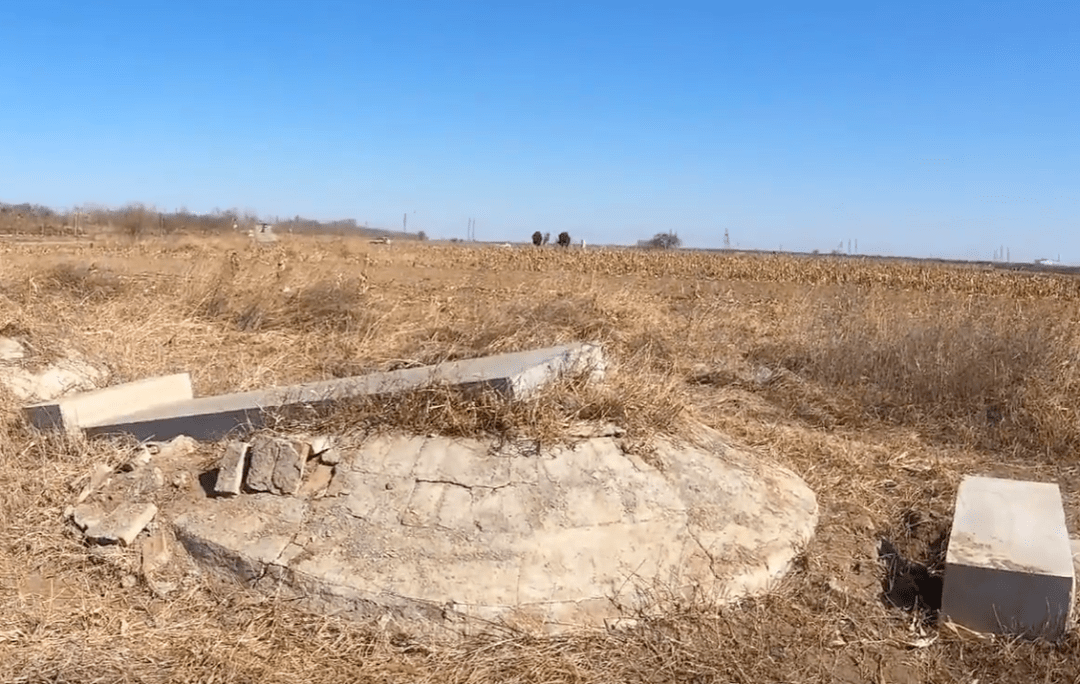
880 383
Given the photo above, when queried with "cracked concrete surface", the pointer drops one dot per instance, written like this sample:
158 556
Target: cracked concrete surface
453 530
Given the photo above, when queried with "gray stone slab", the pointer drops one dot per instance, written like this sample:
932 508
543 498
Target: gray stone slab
231 472
516 375
1009 567
104 405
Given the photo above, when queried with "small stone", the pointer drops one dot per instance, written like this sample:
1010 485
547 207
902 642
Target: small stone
129 581
277 465
231 471
289 468
331 456
182 445
181 480
389 486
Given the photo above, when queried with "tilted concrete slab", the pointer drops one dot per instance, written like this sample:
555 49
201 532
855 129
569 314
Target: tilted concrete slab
104 405
1009 567
515 375
465 530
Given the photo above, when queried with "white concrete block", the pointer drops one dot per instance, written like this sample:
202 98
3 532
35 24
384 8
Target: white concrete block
1009 567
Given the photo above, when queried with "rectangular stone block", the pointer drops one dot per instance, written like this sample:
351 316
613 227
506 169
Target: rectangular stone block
263 456
104 405
1009 567
231 472
516 376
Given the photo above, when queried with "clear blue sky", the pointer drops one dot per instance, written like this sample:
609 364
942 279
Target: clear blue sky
916 128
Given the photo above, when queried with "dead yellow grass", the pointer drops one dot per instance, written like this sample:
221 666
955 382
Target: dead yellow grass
884 383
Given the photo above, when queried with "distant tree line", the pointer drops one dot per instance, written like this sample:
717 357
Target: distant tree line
539 239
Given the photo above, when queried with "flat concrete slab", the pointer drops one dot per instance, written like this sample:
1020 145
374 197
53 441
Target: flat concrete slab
463 530
104 405
515 375
1009 567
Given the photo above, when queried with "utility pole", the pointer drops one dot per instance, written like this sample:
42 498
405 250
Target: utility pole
405 222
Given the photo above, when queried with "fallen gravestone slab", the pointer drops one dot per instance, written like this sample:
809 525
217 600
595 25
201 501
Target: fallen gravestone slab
515 375
1009 567
104 405
464 530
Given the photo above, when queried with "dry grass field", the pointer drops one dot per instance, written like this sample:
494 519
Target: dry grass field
880 384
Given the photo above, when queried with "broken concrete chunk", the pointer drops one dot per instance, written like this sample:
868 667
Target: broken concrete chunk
289 467
181 445
263 457
277 465
231 471
122 524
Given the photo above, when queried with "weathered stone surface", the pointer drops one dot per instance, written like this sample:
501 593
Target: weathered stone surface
1009 568
85 409
543 541
122 524
263 457
516 375
231 470
277 465
289 467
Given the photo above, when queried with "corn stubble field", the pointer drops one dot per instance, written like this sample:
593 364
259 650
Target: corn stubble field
881 384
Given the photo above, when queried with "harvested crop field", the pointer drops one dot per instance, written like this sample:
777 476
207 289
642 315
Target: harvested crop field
881 384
